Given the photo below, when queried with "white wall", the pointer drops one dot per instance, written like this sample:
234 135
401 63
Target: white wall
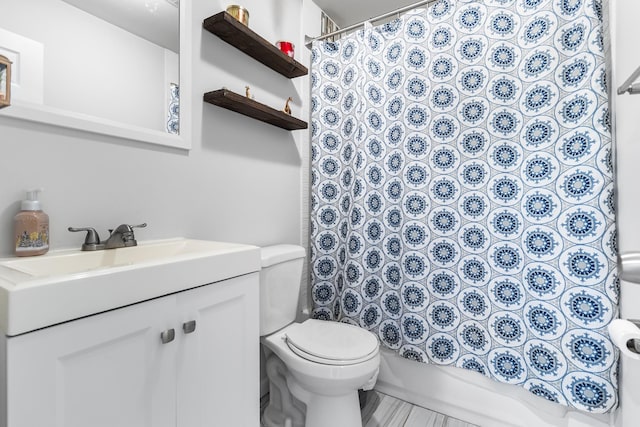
626 34
91 66
626 58
240 182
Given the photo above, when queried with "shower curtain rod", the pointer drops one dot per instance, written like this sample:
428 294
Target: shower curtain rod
377 18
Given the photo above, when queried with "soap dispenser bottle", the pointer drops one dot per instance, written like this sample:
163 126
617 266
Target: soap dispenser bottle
31 227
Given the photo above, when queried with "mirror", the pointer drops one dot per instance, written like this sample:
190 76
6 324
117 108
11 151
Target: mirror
105 66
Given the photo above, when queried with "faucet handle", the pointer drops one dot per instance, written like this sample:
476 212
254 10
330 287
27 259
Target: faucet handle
91 241
132 240
126 228
125 231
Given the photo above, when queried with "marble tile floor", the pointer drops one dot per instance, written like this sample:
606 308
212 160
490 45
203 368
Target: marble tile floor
380 410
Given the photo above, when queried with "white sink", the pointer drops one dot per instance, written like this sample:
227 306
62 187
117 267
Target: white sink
36 292
73 262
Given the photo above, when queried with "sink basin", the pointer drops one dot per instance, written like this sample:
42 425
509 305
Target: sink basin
73 262
41 291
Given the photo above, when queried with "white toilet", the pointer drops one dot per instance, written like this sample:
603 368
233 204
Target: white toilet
315 368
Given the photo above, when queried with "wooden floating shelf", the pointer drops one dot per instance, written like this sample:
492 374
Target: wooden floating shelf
243 38
241 104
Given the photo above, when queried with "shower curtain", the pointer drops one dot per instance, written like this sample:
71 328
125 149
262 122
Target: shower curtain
462 192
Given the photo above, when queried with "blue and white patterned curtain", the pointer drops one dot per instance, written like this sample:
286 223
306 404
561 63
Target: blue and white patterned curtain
173 111
463 205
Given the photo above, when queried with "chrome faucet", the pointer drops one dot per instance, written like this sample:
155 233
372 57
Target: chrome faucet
121 237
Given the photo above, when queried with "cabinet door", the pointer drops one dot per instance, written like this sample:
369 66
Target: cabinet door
106 370
218 363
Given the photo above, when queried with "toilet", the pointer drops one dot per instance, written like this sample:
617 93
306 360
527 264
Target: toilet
316 367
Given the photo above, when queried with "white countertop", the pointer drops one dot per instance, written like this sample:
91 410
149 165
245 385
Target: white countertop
31 299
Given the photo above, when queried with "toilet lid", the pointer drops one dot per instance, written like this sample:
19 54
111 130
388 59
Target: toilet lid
331 343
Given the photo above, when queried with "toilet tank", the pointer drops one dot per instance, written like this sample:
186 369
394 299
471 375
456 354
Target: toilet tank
280 280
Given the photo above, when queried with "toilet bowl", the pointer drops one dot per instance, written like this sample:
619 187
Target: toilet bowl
326 378
316 367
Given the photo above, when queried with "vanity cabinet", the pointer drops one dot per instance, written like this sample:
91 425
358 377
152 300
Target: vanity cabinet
188 359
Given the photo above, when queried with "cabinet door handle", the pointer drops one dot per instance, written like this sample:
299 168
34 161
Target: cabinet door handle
168 336
189 326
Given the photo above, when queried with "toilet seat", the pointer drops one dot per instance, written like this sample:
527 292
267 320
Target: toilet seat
331 343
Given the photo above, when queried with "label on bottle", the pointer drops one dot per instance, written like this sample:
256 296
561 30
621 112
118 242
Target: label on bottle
32 236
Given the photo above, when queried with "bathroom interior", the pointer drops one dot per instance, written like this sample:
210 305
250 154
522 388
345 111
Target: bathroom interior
94 122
